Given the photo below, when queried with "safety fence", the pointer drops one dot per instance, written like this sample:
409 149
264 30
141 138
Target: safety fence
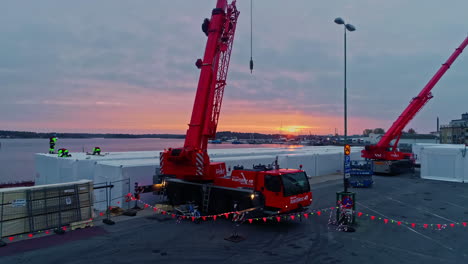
47 209
111 194
35 209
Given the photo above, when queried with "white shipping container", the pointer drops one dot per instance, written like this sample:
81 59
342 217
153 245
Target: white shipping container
294 161
444 162
52 169
248 161
123 174
417 147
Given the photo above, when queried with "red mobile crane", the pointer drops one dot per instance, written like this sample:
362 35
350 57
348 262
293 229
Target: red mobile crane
188 174
387 158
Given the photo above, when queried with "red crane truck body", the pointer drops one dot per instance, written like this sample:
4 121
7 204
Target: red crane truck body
387 158
188 173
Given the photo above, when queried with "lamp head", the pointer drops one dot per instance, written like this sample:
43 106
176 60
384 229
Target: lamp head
350 27
339 21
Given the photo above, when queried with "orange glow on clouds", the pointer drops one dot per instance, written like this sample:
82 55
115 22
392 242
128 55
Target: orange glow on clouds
135 110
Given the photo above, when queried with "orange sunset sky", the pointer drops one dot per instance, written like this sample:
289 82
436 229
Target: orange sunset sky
102 67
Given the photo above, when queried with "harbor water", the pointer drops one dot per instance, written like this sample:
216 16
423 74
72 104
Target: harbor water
17 155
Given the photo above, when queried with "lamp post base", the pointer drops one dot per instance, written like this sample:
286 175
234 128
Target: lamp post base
346 203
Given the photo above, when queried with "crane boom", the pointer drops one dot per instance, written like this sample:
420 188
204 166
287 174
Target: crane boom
213 74
192 161
382 150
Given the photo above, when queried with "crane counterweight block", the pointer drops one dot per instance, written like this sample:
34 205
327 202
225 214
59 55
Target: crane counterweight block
190 164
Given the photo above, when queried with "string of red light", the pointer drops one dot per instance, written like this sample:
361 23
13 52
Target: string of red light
279 218
438 226
319 212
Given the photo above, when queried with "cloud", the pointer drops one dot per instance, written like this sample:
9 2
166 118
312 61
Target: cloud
129 65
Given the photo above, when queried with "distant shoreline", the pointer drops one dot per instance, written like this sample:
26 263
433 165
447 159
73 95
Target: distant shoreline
4 134
93 137
26 134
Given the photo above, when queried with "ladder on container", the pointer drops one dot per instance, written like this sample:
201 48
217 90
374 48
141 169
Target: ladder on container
206 197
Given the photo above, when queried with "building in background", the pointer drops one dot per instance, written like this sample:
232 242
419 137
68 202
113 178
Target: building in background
456 132
406 138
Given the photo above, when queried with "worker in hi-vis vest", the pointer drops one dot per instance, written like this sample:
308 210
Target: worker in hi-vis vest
52 143
63 152
96 151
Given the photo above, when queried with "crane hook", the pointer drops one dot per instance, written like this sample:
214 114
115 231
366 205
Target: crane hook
251 39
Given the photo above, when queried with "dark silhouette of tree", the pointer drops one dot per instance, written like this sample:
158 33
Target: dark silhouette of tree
379 131
366 132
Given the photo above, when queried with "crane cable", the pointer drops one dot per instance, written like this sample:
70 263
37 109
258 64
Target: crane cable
251 60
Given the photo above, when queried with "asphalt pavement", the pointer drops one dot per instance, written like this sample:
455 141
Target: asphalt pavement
150 238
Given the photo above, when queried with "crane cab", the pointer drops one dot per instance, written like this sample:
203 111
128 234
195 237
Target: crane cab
279 190
284 190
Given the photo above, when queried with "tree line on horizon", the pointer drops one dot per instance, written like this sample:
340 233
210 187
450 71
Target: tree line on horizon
379 130
27 134
219 135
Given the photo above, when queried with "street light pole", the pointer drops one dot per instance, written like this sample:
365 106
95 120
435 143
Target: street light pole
345 183
349 27
345 94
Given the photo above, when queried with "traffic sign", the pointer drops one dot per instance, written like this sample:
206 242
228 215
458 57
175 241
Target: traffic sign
347 159
347 149
347 175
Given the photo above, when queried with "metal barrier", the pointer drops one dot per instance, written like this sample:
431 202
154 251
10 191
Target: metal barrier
1 219
46 208
110 195
122 188
34 209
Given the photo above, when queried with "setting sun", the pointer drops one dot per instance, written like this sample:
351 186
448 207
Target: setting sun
293 129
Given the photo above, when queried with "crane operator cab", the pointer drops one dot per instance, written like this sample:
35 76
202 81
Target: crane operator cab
285 190
278 190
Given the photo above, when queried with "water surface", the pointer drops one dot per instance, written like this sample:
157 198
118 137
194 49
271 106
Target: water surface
17 155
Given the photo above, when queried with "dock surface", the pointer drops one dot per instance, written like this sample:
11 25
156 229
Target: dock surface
150 238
